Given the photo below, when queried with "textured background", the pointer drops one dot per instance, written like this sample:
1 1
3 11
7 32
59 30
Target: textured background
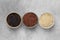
23 6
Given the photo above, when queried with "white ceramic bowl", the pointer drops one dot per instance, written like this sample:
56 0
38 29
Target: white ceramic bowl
48 27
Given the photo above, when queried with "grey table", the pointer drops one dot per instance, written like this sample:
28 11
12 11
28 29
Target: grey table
23 6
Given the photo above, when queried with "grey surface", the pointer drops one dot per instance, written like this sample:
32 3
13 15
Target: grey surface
23 6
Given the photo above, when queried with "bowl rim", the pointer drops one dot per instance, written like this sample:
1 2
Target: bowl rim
50 25
33 25
12 26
